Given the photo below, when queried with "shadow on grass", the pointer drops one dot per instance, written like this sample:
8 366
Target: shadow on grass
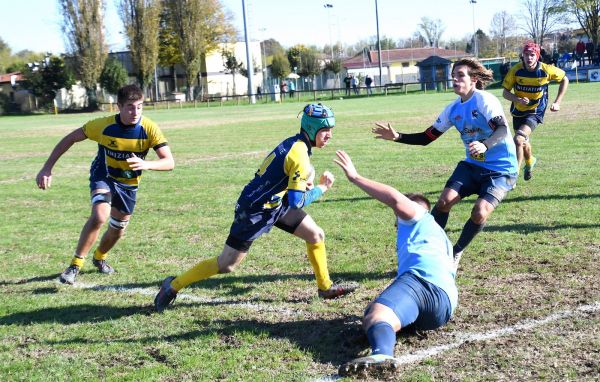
30 280
72 314
551 197
525 228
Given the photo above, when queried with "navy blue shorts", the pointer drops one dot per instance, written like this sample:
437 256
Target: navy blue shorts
531 120
250 223
468 179
123 197
416 301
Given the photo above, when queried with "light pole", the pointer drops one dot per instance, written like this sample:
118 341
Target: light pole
329 6
475 50
251 97
264 61
378 43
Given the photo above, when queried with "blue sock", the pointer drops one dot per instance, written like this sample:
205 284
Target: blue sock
382 338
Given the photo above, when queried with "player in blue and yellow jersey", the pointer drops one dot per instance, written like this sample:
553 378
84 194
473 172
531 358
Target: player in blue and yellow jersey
490 167
424 292
529 79
123 143
275 197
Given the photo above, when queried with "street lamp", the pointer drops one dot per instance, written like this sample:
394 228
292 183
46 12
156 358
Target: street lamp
329 6
475 50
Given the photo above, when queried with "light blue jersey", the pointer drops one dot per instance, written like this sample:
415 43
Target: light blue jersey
423 249
475 120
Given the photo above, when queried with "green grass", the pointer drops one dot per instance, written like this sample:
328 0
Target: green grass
539 254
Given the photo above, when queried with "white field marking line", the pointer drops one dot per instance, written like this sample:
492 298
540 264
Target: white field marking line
493 334
190 297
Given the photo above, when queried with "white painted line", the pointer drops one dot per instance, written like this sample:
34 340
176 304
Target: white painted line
471 337
190 297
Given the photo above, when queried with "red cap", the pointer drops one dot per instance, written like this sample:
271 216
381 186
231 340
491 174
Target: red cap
532 46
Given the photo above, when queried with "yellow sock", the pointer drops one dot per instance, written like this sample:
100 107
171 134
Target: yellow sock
98 255
318 260
529 161
78 261
202 270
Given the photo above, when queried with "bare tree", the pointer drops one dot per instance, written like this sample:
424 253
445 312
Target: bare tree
587 13
84 31
542 17
141 19
200 25
502 27
431 30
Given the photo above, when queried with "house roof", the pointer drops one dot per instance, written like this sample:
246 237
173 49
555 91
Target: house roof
5 78
368 59
434 61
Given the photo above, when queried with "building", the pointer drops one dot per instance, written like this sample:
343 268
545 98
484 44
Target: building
397 65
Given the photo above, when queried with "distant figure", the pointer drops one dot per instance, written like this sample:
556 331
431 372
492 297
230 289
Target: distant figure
259 92
284 89
348 82
368 83
292 88
597 60
590 48
580 51
355 82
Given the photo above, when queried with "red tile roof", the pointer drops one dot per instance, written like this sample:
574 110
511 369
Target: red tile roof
5 78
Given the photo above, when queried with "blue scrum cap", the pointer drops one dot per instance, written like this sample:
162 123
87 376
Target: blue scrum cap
315 117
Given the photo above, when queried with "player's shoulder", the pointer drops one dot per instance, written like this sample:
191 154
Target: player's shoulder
100 122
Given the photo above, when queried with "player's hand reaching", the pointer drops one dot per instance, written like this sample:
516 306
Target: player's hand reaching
555 106
386 132
346 164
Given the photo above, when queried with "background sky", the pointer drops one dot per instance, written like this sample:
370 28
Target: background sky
36 24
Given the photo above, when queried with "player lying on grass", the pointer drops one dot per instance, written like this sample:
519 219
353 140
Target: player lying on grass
123 142
490 167
275 197
424 291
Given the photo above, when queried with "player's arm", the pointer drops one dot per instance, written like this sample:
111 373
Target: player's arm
165 160
298 199
562 89
510 96
44 177
403 207
500 127
424 138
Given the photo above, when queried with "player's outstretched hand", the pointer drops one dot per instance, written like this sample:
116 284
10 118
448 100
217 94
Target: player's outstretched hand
382 131
44 179
346 164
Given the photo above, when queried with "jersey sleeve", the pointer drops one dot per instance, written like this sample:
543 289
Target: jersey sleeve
555 74
420 211
443 123
297 167
509 79
155 136
93 129
492 111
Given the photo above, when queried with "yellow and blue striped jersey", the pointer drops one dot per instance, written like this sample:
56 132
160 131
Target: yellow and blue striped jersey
117 143
533 85
287 167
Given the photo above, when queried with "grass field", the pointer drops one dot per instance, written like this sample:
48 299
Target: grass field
529 304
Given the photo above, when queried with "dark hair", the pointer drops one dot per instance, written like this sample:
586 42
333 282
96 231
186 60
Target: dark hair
129 93
419 198
476 70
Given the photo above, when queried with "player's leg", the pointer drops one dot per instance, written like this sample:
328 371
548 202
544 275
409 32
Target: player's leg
523 129
101 199
300 224
457 187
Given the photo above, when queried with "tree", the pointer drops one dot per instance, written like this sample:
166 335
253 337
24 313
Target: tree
431 30
542 17
114 76
5 56
84 32
502 27
141 19
46 79
168 52
232 65
587 13
335 67
280 66
200 25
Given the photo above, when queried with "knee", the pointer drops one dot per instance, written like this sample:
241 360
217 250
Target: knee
443 205
317 235
97 220
479 215
520 140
